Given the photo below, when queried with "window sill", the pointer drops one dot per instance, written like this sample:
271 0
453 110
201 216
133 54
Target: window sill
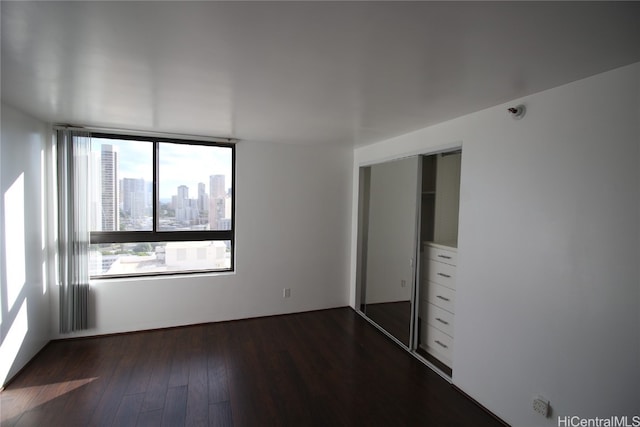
165 276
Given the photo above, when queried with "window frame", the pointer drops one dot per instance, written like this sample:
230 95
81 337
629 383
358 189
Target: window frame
155 235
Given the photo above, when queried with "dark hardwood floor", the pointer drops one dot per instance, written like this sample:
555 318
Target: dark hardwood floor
323 368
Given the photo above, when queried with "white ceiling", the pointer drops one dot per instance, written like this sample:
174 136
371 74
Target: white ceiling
301 72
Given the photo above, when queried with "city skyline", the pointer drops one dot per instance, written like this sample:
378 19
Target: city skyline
124 200
135 160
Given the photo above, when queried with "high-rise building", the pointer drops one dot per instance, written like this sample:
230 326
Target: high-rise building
182 202
109 178
186 209
148 198
183 196
193 212
95 191
203 198
133 197
217 196
216 186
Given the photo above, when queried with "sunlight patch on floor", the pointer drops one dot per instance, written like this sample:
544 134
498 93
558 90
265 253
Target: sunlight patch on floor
41 395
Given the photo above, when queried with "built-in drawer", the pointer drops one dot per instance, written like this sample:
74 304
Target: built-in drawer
442 274
441 296
440 319
437 343
442 255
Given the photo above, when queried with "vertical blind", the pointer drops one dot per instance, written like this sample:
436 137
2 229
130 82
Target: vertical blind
73 151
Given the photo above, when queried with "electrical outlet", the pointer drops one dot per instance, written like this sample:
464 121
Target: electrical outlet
286 292
541 406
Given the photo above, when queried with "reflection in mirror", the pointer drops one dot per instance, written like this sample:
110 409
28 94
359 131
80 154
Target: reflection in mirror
388 230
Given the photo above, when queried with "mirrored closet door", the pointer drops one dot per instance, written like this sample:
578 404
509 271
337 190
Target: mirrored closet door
389 255
407 251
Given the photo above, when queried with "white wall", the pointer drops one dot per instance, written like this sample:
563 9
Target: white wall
548 292
391 236
24 299
292 216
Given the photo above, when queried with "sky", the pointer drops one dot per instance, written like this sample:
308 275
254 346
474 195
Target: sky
180 164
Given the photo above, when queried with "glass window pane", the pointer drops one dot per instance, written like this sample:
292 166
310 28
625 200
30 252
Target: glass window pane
128 259
122 185
195 183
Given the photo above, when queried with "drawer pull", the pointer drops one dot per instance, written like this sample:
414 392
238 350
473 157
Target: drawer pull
444 256
444 322
444 275
441 344
443 298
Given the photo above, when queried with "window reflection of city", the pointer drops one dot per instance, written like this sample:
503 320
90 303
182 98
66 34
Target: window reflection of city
127 204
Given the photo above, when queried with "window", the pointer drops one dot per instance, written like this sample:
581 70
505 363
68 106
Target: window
160 206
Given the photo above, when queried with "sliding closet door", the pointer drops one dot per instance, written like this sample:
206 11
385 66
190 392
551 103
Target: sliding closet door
391 230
